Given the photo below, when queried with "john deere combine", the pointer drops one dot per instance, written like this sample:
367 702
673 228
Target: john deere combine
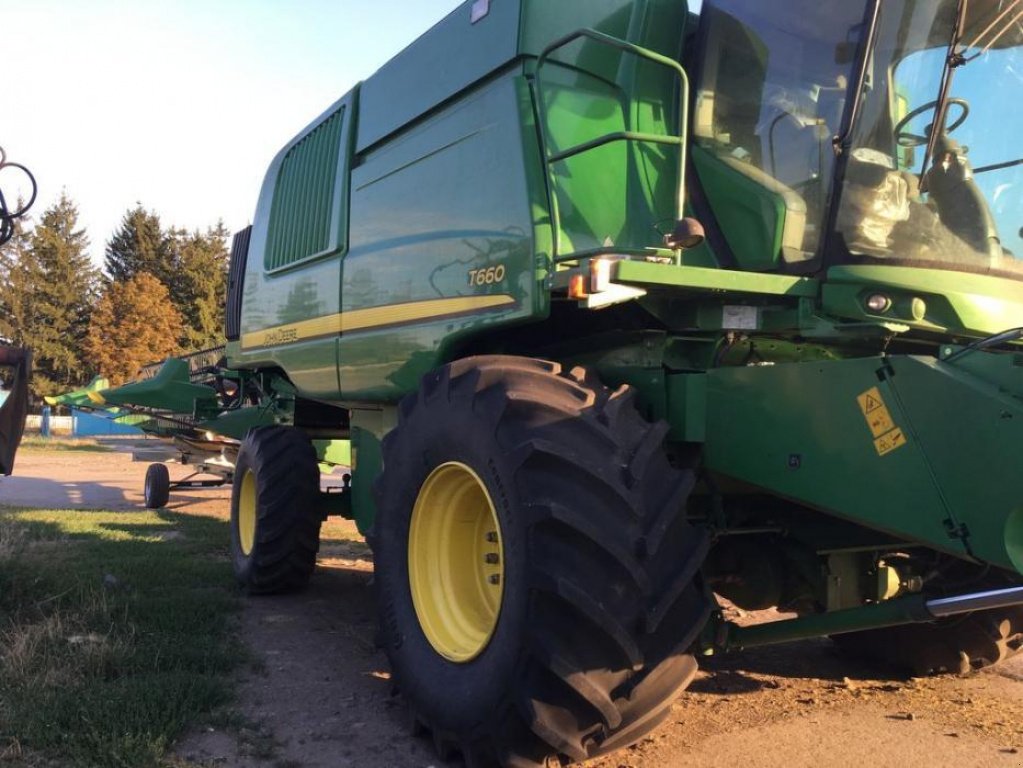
622 308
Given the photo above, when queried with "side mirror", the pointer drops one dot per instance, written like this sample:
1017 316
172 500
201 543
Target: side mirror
687 233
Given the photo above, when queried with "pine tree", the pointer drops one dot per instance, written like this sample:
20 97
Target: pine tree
199 285
134 323
59 289
139 245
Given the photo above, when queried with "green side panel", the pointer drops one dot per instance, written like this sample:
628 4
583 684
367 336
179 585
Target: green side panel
301 214
1000 370
751 216
797 431
442 241
971 432
622 193
687 407
368 429
306 292
590 188
456 53
905 445
369 462
654 24
439 65
952 301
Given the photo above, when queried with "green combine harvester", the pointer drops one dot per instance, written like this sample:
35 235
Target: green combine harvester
621 309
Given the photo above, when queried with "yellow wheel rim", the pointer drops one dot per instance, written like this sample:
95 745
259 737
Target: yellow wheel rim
247 513
456 562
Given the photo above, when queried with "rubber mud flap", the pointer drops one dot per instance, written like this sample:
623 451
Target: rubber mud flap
15 407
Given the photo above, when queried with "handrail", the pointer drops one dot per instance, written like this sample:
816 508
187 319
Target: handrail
646 138
678 139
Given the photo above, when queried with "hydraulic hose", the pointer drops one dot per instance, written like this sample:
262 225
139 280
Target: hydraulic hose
8 216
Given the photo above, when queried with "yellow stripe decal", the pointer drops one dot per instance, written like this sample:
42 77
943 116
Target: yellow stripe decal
372 317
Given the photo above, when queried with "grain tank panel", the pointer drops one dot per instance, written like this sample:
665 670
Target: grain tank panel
416 213
443 239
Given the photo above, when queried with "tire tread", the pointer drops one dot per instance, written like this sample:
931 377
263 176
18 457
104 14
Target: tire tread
288 520
594 483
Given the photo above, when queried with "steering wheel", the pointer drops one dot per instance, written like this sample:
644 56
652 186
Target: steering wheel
906 139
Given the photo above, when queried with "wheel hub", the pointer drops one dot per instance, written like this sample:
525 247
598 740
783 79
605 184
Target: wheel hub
247 513
456 562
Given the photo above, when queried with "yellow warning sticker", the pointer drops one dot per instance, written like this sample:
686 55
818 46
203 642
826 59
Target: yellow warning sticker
888 443
887 436
876 412
871 400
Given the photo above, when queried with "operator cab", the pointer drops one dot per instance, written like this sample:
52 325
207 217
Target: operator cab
793 166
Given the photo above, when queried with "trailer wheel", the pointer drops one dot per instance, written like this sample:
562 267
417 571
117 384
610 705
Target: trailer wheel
157 488
958 644
538 585
275 520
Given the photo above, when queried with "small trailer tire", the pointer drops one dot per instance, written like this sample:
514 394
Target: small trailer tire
157 487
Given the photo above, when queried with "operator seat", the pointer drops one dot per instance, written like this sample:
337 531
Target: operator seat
959 201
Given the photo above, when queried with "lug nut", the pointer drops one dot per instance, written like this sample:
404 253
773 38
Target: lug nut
495 579
492 558
492 537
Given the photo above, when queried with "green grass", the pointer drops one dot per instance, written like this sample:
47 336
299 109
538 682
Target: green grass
35 443
117 631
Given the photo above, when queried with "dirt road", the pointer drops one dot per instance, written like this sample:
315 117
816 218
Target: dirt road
320 695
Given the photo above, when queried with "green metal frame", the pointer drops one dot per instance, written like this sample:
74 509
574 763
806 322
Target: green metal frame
678 140
906 610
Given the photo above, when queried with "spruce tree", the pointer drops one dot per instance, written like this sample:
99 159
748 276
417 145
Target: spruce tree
61 289
139 245
199 285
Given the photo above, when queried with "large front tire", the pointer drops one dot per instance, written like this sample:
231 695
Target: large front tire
546 599
275 512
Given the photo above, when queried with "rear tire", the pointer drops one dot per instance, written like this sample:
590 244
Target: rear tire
958 645
601 595
275 515
157 486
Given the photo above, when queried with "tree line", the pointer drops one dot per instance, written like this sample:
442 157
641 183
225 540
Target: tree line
160 293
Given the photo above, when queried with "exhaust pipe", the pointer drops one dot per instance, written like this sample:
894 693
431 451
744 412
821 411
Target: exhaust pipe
979 601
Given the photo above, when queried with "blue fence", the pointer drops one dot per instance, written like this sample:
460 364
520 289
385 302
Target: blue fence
92 425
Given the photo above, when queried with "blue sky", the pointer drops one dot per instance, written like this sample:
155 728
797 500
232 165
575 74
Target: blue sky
179 104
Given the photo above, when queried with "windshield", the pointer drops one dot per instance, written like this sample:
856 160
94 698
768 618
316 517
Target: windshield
965 211
770 94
